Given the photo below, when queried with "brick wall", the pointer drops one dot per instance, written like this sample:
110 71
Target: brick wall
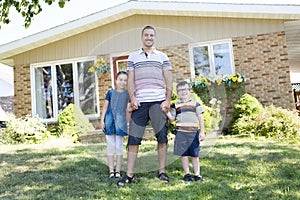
262 58
22 104
179 58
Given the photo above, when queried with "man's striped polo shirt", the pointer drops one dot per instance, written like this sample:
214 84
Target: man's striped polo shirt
148 74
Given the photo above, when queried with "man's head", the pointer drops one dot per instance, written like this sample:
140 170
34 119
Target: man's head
148 36
183 90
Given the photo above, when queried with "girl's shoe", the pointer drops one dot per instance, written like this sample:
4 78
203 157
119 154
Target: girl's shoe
112 175
117 175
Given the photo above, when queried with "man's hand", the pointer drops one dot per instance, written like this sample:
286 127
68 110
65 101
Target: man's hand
165 106
135 104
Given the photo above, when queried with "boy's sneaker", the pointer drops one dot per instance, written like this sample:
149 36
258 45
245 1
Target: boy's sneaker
198 178
187 178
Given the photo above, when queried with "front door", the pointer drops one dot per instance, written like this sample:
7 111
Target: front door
119 64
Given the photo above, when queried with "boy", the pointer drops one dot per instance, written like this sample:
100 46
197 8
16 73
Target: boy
188 114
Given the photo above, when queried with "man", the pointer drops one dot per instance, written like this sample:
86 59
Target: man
150 91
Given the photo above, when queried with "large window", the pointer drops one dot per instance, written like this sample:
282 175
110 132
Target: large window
56 85
212 58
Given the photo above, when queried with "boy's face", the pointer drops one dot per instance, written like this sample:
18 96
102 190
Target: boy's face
184 92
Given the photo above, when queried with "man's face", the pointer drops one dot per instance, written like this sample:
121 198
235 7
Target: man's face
148 38
184 92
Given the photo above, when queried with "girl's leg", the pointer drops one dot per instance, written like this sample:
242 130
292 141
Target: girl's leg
185 164
119 152
111 143
196 165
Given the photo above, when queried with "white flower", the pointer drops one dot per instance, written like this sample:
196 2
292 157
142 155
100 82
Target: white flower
213 101
219 102
209 109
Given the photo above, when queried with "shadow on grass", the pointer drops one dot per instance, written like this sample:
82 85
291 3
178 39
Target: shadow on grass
233 170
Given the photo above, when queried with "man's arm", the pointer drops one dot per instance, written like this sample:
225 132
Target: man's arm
165 106
168 82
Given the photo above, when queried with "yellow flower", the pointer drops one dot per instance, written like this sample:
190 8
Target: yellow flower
99 66
219 81
234 79
92 68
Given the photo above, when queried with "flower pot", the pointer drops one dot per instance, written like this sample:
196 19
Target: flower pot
103 76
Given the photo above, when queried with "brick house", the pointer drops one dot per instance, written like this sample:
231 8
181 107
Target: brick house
50 67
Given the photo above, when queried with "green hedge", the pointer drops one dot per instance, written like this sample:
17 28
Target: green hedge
28 130
270 121
73 123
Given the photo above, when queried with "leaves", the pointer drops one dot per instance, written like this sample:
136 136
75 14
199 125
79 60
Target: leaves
27 9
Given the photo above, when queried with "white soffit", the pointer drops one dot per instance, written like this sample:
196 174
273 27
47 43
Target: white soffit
257 11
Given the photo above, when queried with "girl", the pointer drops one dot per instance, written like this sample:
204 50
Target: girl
114 122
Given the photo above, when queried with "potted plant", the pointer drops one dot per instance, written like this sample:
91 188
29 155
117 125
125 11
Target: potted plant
100 67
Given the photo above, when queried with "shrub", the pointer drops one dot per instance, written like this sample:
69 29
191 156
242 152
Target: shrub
30 130
247 106
271 122
72 122
278 123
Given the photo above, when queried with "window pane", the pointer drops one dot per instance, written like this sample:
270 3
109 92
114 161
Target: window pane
222 59
43 92
201 60
87 88
65 91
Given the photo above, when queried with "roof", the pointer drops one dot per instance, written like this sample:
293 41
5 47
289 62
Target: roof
170 8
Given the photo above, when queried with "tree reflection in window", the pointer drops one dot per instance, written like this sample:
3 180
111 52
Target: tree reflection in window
65 89
87 88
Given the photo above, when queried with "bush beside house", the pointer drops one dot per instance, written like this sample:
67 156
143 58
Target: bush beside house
250 117
28 130
72 122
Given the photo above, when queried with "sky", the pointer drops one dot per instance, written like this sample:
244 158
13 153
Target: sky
52 16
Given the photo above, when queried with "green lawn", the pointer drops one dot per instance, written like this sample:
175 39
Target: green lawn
233 168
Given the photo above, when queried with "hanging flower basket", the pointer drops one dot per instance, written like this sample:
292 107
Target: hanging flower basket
101 68
201 87
229 85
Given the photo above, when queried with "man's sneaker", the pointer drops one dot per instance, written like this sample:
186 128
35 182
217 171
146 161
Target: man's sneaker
163 177
187 178
198 178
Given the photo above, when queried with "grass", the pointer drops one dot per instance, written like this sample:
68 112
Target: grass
235 168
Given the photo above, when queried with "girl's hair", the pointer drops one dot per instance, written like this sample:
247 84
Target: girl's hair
120 72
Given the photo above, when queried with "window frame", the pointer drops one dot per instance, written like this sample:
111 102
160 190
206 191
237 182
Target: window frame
211 59
53 64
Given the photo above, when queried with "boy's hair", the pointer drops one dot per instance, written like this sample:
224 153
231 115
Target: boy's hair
148 27
119 73
183 83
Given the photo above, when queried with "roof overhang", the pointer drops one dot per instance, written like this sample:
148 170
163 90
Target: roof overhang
257 11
